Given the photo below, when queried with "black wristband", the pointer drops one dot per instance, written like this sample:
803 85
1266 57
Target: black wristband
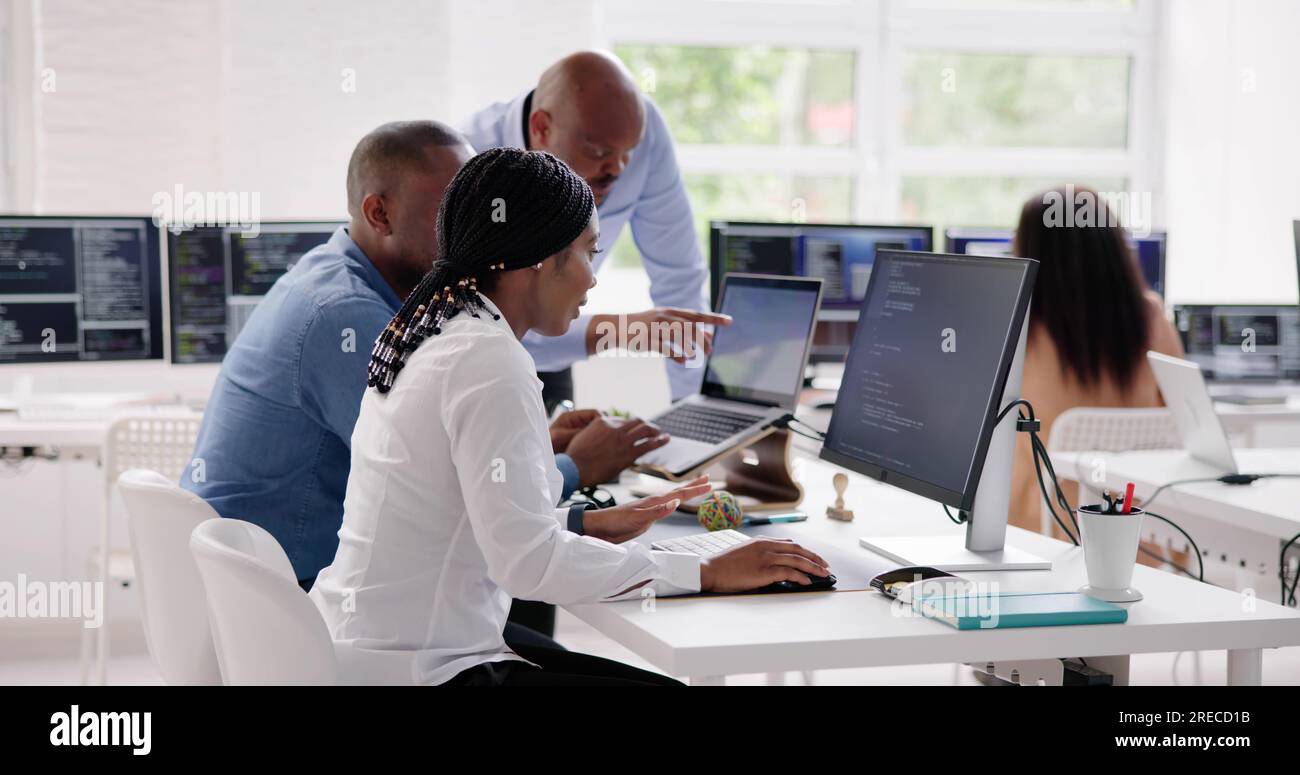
575 517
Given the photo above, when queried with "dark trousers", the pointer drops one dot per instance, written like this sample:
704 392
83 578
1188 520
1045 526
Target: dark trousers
557 386
558 668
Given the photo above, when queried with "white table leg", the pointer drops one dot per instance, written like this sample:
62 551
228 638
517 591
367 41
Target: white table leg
1245 667
708 680
776 679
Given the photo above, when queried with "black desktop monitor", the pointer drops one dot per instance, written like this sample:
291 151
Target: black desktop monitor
977 242
1241 343
840 255
925 378
219 274
1149 251
79 289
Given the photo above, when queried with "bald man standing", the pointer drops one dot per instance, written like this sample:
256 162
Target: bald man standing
588 111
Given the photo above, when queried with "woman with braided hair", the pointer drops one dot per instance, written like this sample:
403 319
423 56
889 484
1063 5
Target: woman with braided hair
449 509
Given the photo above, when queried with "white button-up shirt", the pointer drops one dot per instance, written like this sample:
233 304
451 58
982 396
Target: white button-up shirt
450 512
649 194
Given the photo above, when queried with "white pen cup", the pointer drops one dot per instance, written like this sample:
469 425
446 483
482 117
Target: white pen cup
1110 547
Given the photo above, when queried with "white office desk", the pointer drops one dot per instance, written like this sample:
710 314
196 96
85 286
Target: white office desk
707 638
82 437
1269 506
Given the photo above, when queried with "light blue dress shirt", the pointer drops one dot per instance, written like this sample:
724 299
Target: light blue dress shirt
275 445
651 196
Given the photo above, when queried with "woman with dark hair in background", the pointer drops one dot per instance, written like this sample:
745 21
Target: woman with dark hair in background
1091 323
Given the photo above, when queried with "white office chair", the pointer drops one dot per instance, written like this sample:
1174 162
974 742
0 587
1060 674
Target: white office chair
266 630
161 440
160 517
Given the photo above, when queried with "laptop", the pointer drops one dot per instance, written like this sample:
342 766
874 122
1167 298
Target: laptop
751 379
1183 386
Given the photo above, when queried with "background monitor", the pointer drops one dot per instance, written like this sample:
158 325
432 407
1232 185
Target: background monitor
1149 250
79 289
1237 342
930 323
841 255
219 274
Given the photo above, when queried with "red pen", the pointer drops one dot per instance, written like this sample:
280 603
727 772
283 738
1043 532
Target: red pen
1128 498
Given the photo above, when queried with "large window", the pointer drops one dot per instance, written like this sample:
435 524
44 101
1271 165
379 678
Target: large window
944 112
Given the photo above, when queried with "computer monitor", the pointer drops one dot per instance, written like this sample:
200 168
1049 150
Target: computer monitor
977 242
219 274
79 288
839 254
1241 343
938 352
1149 251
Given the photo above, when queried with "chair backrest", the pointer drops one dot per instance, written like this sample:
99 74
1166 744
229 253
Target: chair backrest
265 628
159 441
1085 429
160 518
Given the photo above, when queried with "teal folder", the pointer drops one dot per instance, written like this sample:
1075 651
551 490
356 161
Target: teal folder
1019 609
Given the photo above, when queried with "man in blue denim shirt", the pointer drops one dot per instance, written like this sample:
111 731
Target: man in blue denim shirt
274 448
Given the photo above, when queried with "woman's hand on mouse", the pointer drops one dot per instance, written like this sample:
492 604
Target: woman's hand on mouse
759 562
623 523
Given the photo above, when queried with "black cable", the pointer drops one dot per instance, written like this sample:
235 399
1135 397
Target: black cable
1010 406
1200 561
1061 500
1288 596
798 432
1166 561
1041 460
1234 479
1042 487
960 519
784 423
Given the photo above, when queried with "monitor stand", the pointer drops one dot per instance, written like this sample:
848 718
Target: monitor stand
950 553
984 546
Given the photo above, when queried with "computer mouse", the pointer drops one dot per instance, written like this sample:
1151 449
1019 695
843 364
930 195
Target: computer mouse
819 583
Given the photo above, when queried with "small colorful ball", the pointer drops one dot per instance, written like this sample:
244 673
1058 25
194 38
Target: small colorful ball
720 511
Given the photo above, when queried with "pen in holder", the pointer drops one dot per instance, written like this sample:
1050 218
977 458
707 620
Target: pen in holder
1110 546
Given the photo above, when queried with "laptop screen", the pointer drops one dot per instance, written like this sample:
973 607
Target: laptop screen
760 357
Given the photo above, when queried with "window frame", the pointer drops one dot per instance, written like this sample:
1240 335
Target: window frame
880 33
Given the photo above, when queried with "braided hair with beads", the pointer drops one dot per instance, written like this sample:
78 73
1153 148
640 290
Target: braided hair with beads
506 209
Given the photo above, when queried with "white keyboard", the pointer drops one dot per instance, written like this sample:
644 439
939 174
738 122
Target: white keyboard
702 544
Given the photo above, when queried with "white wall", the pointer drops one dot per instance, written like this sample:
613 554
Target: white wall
1232 150
266 97
243 95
